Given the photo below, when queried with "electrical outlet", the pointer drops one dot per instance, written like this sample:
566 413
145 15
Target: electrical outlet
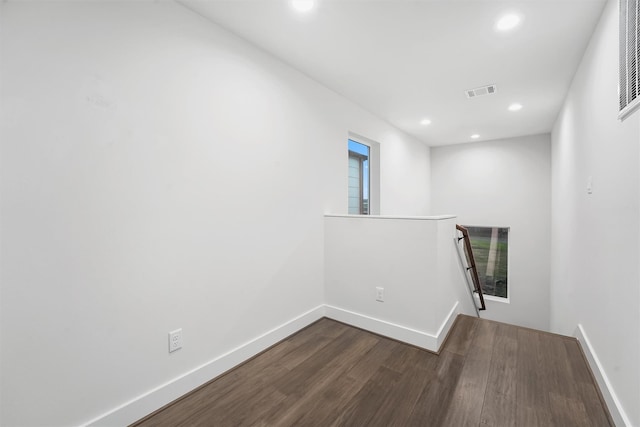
175 340
380 294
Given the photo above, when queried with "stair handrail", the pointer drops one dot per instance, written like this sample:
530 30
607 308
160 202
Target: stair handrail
472 267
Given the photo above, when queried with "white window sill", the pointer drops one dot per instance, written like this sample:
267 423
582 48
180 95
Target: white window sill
494 299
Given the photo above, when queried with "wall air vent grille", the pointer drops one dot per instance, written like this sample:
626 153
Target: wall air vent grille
480 91
629 57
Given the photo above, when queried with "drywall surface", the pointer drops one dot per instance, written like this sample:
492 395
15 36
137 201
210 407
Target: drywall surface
594 271
504 183
409 258
159 173
404 174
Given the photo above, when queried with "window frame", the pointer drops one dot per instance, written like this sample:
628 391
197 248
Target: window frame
486 296
629 60
374 170
361 159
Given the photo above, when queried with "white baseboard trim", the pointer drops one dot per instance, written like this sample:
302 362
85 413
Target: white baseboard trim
618 414
158 397
447 323
431 342
155 399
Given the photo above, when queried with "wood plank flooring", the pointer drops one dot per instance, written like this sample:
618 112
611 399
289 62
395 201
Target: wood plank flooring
331 374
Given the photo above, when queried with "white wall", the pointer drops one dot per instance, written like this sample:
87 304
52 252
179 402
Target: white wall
594 275
411 259
504 183
404 178
159 173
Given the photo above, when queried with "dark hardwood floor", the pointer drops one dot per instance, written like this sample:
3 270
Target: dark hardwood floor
331 374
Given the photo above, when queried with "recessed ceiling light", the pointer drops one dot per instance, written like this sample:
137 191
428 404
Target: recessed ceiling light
303 5
475 136
425 122
508 22
515 107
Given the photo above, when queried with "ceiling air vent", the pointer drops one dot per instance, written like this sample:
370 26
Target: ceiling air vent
480 91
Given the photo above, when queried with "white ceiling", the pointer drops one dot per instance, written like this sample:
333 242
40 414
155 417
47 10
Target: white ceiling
405 60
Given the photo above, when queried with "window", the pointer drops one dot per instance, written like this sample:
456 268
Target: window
359 181
491 250
629 40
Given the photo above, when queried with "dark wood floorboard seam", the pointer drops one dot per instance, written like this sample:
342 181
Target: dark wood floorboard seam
197 389
332 374
596 385
538 331
385 337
